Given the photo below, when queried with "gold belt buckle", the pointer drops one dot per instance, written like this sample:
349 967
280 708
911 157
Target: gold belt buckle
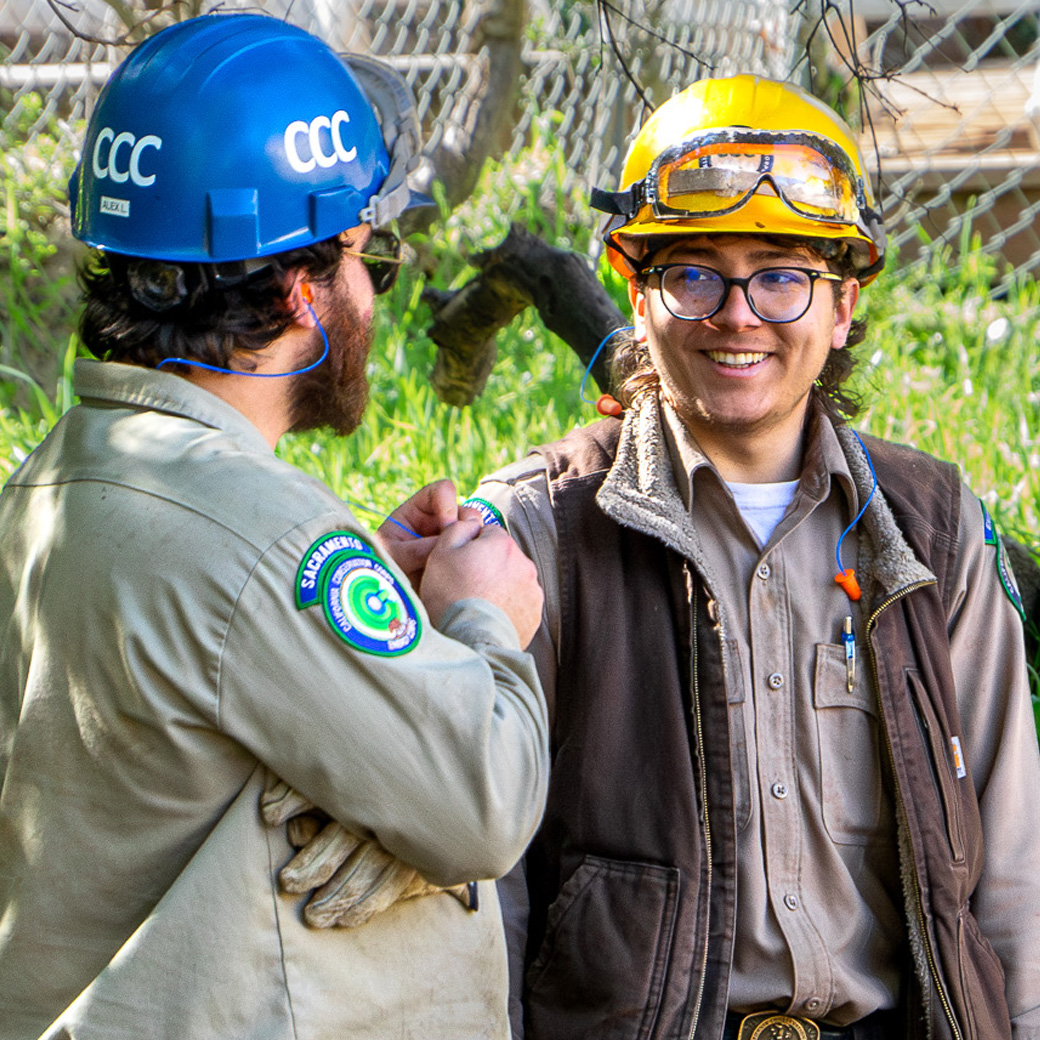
768 1025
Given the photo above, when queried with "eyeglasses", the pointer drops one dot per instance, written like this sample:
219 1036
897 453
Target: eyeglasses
779 295
382 259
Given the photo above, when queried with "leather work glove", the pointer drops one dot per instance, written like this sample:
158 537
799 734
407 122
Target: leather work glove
354 879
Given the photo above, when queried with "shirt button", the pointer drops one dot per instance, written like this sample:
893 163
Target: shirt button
791 902
763 571
779 790
776 680
812 1004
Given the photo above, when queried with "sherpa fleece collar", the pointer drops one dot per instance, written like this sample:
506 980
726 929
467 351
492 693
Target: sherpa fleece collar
640 492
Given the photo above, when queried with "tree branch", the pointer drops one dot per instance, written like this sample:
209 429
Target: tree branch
521 272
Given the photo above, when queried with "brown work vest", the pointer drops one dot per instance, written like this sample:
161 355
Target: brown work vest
632 875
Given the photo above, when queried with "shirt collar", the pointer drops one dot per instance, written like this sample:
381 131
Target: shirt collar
147 388
641 491
824 458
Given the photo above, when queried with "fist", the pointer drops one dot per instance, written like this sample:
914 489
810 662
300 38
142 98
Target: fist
484 562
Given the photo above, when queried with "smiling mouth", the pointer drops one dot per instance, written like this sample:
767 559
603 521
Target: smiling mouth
731 360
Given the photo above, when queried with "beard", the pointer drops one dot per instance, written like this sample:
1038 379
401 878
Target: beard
334 395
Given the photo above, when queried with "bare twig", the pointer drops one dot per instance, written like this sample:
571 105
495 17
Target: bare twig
139 24
822 19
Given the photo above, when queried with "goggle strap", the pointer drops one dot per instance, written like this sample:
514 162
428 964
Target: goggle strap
618 203
386 206
872 269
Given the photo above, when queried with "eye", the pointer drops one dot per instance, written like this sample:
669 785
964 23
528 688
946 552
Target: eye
779 278
696 276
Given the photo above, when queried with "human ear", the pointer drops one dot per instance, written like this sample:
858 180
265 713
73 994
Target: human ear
844 311
300 296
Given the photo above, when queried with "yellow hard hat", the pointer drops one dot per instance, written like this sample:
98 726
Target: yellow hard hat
749 155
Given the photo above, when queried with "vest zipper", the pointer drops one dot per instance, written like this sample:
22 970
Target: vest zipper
699 733
918 904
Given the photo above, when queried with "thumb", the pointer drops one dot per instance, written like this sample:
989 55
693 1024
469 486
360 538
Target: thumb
458 534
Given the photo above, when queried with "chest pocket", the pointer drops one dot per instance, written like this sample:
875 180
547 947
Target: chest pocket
850 762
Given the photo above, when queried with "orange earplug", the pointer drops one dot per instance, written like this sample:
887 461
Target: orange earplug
847 580
305 292
607 405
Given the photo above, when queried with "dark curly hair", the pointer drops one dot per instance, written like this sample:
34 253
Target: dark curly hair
633 372
141 311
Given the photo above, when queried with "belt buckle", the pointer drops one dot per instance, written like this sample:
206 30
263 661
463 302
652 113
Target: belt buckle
769 1025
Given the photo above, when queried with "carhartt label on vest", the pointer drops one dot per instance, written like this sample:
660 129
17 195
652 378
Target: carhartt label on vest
958 758
116 207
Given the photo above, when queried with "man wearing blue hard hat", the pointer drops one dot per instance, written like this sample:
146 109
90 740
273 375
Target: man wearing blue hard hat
216 690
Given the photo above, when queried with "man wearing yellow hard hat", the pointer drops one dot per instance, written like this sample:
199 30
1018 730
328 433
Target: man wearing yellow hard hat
795 773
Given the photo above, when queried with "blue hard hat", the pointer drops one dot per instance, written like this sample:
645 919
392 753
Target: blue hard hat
229 137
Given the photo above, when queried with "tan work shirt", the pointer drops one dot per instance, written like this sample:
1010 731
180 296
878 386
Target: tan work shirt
165 655
819 916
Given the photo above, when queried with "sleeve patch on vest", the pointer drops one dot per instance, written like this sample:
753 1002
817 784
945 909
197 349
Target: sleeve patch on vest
1006 574
989 529
1007 579
361 599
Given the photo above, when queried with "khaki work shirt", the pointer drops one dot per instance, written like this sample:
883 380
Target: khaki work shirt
157 670
819 910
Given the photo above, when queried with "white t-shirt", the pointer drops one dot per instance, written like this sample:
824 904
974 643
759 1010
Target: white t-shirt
763 505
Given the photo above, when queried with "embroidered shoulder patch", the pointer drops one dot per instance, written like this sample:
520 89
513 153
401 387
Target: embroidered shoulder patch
361 599
489 514
989 529
1007 575
1007 579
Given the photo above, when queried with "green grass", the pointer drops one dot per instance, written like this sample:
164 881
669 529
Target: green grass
36 282
958 374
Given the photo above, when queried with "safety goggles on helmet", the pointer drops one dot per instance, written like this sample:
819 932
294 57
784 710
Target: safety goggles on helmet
714 173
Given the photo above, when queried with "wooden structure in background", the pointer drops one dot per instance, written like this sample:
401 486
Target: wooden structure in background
948 139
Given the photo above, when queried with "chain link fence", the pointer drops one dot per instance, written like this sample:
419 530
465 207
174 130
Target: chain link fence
952 132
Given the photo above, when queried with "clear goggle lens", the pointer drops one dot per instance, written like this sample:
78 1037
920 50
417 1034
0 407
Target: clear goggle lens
717 172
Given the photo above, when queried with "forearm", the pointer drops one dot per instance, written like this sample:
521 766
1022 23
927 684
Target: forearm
501 815
438 752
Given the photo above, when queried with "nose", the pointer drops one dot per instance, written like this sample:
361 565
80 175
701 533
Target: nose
736 311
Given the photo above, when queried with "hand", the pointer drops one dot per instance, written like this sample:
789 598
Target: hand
471 560
354 879
428 512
